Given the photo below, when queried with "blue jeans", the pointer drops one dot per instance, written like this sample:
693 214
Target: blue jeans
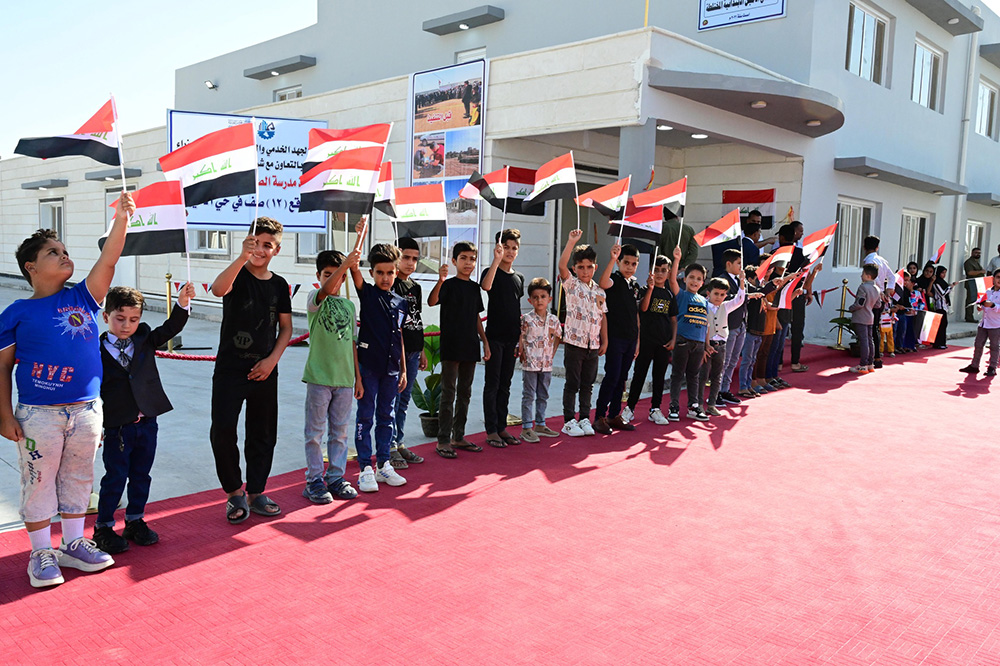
412 361
328 410
534 395
734 347
751 347
128 456
617 362
776 352
377 404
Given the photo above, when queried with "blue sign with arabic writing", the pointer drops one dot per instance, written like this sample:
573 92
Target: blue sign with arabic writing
281 149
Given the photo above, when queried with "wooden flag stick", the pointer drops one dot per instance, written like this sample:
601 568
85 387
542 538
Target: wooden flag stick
256 177
118 137
681 218
576 190
503 216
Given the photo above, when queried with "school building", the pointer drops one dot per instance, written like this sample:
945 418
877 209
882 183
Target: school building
882 115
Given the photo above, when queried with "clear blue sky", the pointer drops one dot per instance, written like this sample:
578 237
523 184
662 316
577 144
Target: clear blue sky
63 58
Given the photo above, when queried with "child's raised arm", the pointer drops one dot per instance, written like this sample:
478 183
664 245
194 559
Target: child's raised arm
644 305
432 299
605 281
224 282
567 252
672 275
492 272
361 229
349 263
100 276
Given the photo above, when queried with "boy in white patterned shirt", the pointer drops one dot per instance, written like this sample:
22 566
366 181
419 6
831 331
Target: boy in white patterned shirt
585 333
540 333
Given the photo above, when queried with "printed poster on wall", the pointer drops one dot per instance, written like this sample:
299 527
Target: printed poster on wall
722 13
281 148
446 146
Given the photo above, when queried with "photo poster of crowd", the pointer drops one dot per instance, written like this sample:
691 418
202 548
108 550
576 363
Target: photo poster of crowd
446 137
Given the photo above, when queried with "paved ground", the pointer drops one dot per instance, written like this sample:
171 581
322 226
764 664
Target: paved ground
184 463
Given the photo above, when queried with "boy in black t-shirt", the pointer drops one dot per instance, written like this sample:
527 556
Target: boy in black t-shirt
414 358
622 290
256 328
461 303
503 329
657 327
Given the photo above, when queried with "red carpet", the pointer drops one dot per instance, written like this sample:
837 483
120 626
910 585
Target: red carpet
851 520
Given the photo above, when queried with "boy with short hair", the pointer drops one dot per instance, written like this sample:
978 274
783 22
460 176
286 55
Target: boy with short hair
689 348
133 397
52 337
414 358
733 274
380 357
657 327
256 327
503 329
585 333
717 336
461 302
332 377
540 334
862 318
622 292
988 329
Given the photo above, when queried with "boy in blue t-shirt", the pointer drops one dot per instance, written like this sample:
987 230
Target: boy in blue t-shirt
53 339
380 358
692 328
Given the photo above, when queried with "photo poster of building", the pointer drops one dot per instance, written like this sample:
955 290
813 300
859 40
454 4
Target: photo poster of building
722 13
446 146
281 149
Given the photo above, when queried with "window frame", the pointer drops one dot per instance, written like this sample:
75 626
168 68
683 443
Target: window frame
878 68
969 226
198 250
991 129
855 244
934 80
60 224
284 94
922 219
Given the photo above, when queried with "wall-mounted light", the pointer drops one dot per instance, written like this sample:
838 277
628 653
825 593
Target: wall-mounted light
814 123
664 128
953 21
470 18
871 174
275 72
759 104
699 136
938 192
211 85
463 26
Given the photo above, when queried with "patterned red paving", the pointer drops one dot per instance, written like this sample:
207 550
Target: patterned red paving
853 520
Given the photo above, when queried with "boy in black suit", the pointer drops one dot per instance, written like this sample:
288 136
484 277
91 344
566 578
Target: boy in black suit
133 398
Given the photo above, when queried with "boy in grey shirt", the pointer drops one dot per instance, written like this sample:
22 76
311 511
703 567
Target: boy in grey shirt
862 318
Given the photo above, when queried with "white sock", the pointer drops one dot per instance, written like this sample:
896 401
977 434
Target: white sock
72 529
41 538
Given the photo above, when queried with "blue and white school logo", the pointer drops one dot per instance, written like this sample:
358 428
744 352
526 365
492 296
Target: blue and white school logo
265 130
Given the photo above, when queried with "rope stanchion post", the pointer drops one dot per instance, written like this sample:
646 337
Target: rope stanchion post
170 307
843 313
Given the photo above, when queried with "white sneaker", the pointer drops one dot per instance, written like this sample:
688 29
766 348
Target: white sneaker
387 474
367 482
572 428
657 417
586 427
627 414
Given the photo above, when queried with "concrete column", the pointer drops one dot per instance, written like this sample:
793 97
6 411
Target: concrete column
637 153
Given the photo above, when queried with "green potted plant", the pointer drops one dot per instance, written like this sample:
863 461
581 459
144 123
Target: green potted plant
428 396
843 323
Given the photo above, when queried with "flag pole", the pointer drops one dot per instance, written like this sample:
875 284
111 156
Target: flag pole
118 140
621 227
681 218
256 177
503 216
576 190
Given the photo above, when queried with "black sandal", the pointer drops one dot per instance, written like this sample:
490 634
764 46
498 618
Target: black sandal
466 446
446 453
260 506
496 443
234 504
509 439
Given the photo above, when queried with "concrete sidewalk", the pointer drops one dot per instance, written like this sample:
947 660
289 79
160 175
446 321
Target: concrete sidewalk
184 462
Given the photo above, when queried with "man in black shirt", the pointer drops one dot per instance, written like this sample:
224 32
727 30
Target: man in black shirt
505 287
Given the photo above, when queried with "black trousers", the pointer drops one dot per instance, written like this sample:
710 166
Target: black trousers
496 393
230 389
877 332
688 356
456 391
659 357
581 371
798 327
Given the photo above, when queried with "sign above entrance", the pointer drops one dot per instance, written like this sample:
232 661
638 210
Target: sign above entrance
722 13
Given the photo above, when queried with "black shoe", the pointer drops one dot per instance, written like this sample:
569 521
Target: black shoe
971 369
877 364
991 372
109 541
138 532
728 398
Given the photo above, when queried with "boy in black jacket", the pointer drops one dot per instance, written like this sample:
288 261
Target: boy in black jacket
133 397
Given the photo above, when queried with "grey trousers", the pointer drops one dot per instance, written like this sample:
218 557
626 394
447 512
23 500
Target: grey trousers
983 334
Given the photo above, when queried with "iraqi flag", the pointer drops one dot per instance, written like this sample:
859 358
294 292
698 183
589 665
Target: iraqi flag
219 164
490 187
520 182
936 259
929 327
421 211
815 244
159 224
345 183
385 191
724 229
748 200
779 257
96 139
556 179
325 143
672 197
981 285
788 293
608 200
645 223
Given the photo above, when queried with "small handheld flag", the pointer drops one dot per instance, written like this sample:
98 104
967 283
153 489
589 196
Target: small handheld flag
159 223
97 139
724 229
816 243
325 143
345 183
642 223
929 327
556 179
385 191
219 164
421 211
608 200
780 256
936 259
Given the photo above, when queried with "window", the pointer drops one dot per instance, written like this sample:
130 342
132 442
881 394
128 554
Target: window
208 244
470 55
986 116
926 75
111 195
911 237
865 43
975 236
285 94
339 235
50 216
307 245
855 222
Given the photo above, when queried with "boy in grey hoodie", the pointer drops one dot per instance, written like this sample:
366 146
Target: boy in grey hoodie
862 318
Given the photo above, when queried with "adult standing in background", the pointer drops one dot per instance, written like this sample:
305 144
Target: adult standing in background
973 268
994 262
676 235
